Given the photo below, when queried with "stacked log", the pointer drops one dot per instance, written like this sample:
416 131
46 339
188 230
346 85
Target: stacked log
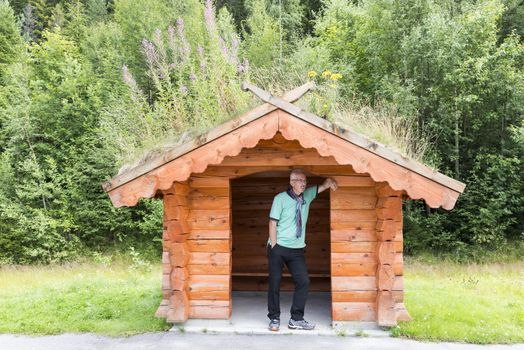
175 256
389 302
209 244
353 249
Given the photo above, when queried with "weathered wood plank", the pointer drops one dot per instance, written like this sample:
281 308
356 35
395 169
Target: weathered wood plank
196 181
209 269
385 277
178 307
386 315
345 258
342 215
353 181
209 219
350 311
353 283
353 247
179 255
354 269
179 277
353 235
358 296
209 234
209 287
210 245
209 258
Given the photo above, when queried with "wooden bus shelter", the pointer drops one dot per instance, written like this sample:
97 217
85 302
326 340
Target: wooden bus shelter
217 190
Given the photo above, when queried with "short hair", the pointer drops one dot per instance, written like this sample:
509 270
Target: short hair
296 172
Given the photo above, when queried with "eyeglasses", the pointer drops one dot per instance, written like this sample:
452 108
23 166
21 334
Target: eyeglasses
300 180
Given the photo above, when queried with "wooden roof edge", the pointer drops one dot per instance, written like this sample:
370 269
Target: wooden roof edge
358 139
200 140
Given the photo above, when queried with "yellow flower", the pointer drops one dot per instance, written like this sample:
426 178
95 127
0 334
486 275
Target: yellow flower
326 74
336 76
312 74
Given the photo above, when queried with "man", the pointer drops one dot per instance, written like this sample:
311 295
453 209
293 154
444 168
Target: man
287 231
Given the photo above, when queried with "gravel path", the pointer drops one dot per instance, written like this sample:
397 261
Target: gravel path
172 340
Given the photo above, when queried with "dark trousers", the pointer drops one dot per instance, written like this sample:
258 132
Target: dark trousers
296 264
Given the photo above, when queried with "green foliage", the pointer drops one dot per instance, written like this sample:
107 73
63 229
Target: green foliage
101 83
493 201
10 41
195 84
262 36
449 71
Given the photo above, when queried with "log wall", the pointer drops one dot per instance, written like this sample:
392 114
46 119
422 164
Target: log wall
353 246
209 243
390 286
175 255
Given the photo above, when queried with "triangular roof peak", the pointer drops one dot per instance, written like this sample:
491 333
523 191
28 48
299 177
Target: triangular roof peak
279 114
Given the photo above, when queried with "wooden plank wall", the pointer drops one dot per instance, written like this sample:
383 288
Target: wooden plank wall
252 197
209 243
354 244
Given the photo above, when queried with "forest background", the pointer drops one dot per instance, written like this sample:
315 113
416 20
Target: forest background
90 87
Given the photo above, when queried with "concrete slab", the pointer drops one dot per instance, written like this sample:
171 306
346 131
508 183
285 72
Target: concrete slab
249 316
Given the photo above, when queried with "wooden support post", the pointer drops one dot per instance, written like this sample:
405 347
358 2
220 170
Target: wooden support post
175 301
389 237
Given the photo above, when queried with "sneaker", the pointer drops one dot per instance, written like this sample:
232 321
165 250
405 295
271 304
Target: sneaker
302 324
274 325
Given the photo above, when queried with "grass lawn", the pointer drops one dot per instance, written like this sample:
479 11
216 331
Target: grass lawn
468 303
111 300
451 302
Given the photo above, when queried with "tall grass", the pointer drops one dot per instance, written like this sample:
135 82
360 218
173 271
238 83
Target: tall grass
383 124
117 298
475 303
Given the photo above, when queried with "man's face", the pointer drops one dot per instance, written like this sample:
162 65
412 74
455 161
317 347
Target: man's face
298 183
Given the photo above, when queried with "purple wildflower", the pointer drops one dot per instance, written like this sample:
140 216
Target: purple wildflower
171 41
200 51
126 76
150 52
243 67
223 47
184 44
183 89
209 16
180 26
233 53
192 77
158 35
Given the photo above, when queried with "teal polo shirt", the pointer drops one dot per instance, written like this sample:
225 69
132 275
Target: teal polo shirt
283 211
